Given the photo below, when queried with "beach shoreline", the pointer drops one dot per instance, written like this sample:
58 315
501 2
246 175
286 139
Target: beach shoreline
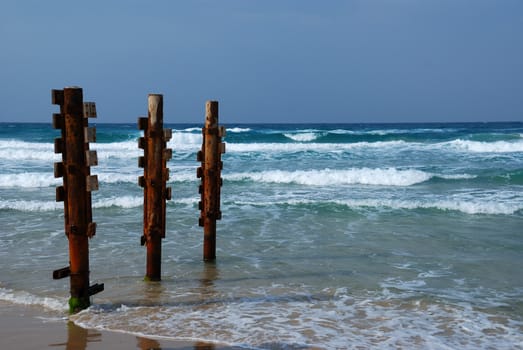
29 328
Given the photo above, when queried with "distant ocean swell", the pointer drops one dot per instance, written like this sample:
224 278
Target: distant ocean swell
183 142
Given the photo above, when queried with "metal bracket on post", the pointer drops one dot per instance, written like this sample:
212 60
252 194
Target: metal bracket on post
89 110
62 273
95 289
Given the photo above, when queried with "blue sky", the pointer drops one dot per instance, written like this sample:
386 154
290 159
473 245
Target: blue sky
267 61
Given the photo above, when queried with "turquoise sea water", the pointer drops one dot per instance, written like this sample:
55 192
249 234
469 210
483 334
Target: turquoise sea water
333 236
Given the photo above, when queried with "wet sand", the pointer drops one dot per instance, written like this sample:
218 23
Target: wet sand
28 328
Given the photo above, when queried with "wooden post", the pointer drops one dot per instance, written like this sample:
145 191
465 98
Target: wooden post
78 183
154 181
209 172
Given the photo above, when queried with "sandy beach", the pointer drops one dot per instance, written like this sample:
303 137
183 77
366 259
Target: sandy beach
28 328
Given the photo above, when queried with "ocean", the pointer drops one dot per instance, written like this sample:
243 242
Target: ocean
334 236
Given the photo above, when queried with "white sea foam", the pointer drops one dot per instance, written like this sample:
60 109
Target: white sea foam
330 321
122 202
383 132
184 143
39 180
28 180
20 150
189 130
98 203
316 147
30 206
112 178
303 137
457 176
331 177
28 299
136 201
184 139
342 132
238 130
125 149
487 147
465 205
35 180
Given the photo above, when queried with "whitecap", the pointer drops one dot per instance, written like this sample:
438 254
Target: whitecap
193 129
28 180
21 150
305 147
302 137
464 205
30 206
331 177
487 147
122 202
238 130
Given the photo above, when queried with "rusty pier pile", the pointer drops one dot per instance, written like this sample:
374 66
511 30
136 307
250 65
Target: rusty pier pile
156 175
78 183
211 181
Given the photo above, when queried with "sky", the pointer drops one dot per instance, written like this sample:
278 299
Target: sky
266 61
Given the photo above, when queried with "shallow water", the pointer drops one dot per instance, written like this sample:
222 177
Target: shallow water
332 236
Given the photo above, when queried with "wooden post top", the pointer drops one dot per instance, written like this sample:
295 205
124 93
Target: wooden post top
211 114
155 108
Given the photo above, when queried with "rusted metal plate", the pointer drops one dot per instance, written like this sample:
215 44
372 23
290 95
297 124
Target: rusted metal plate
142 123
62 273
58 121
95 289
60 194
89 110
141 143
58 169
90 134
167 134
167 154
58 145
91 229
91 183
57 97
141 181
141 162
91 158
221 131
